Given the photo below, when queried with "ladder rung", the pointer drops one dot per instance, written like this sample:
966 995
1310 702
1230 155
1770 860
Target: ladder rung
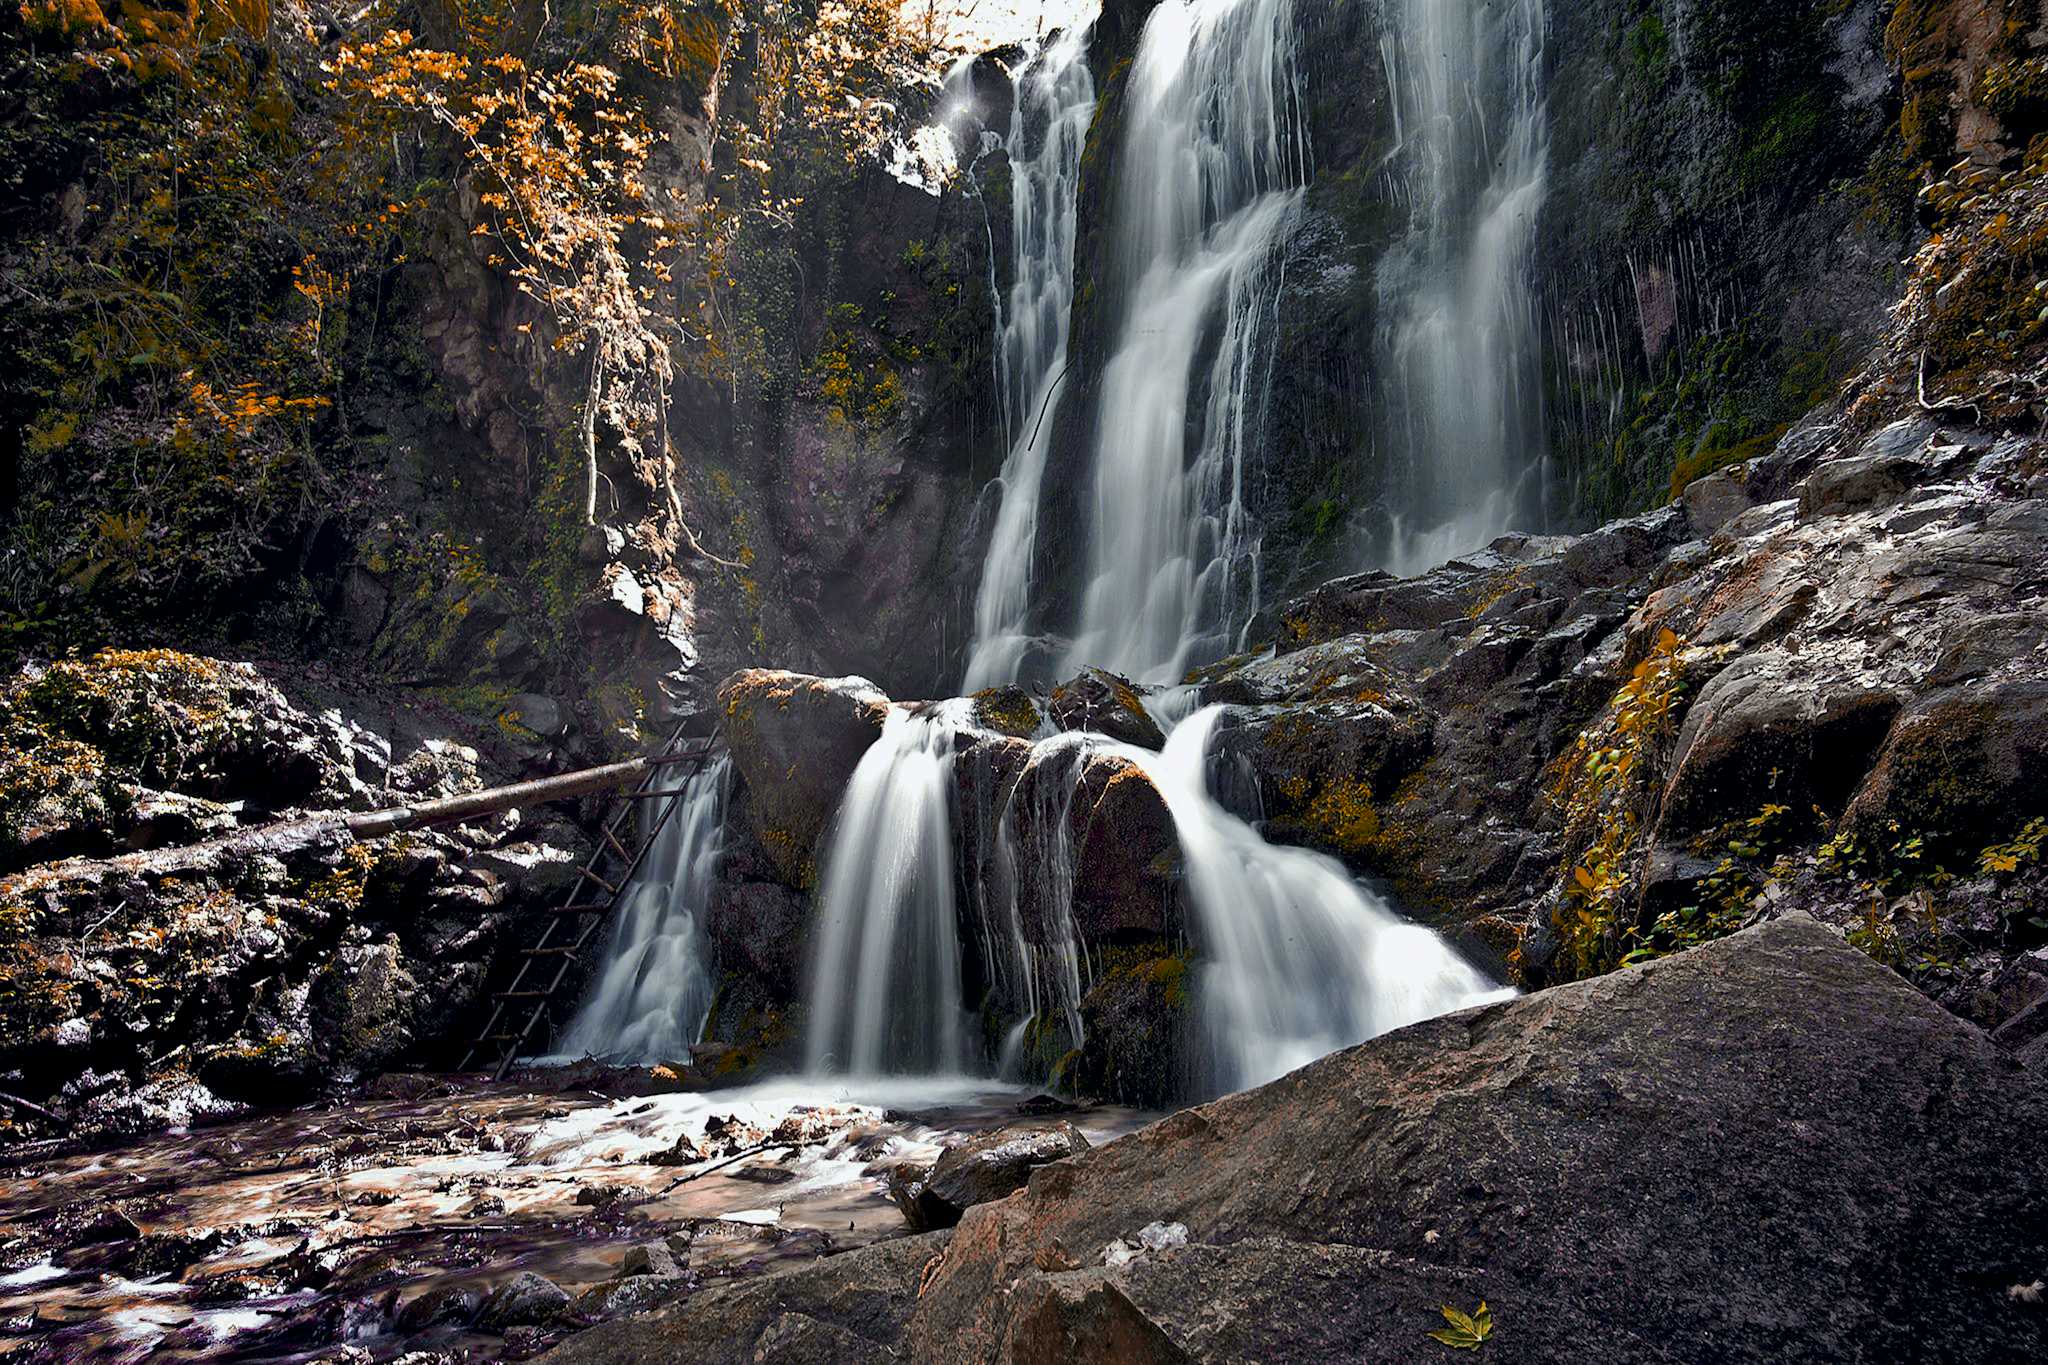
600 881
656 795
520 995
582 908
622 850
563 951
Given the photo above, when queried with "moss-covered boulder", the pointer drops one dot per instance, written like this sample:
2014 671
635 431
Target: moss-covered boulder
795 741
1106 704
1140 1026
1959 770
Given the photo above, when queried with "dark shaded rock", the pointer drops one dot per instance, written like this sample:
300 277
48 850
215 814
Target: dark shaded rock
524 1300
1319 768
1106 704
846 1309
990 1165
1961 767
1365 1189
796 741
1773 728
448 1303
1137 1023
758 928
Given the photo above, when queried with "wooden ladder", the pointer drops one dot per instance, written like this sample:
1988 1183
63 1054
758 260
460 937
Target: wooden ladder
590 900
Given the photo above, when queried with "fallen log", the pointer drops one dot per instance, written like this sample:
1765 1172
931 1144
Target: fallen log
288 837
451 810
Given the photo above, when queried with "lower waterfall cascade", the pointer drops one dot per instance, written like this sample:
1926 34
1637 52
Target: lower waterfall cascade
884 980
1296 958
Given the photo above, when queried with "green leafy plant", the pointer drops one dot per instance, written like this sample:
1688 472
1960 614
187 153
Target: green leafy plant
1465 1331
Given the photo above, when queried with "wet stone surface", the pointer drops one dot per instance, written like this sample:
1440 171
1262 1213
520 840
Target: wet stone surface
465 1221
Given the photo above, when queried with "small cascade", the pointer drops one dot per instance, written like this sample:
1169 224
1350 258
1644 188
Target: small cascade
1211 169
1300 960
884 986
1032 955
1055 102
1460 346
649 997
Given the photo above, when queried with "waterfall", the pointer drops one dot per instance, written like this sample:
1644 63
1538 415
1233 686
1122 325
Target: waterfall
1459 343
1031 947
653 988
1211 168
1055 101
1300 960
884 985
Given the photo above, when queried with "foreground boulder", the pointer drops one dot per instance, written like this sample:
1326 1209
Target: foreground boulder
984 1168
1767 1149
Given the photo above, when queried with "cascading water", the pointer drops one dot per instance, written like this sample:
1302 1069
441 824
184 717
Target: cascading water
648 1000
1300 959
1055 101
1460 360
1211 169
885 970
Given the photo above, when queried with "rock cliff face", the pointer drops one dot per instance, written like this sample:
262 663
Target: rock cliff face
1543 1158
174 948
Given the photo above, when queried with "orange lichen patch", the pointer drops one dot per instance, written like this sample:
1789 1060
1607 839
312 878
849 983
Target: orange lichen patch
1343 816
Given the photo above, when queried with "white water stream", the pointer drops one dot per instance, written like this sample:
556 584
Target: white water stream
1210 175
1299 959
648 1000
1460 348
884 982
1055 102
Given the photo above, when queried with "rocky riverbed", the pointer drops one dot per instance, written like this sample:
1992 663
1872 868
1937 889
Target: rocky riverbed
470 1221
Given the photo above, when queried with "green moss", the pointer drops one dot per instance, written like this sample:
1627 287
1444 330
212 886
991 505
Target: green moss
1007 710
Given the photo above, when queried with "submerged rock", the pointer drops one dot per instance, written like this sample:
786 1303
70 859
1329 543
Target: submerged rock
525 1300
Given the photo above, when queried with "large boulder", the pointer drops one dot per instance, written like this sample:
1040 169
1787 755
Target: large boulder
796 741
1961 768
1768 1149
987 1166
1127 852
1757 1151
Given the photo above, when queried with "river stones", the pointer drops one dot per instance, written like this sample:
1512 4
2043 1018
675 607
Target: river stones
990 1165
525 1300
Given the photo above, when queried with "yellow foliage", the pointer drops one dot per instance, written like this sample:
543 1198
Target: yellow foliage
1601 783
